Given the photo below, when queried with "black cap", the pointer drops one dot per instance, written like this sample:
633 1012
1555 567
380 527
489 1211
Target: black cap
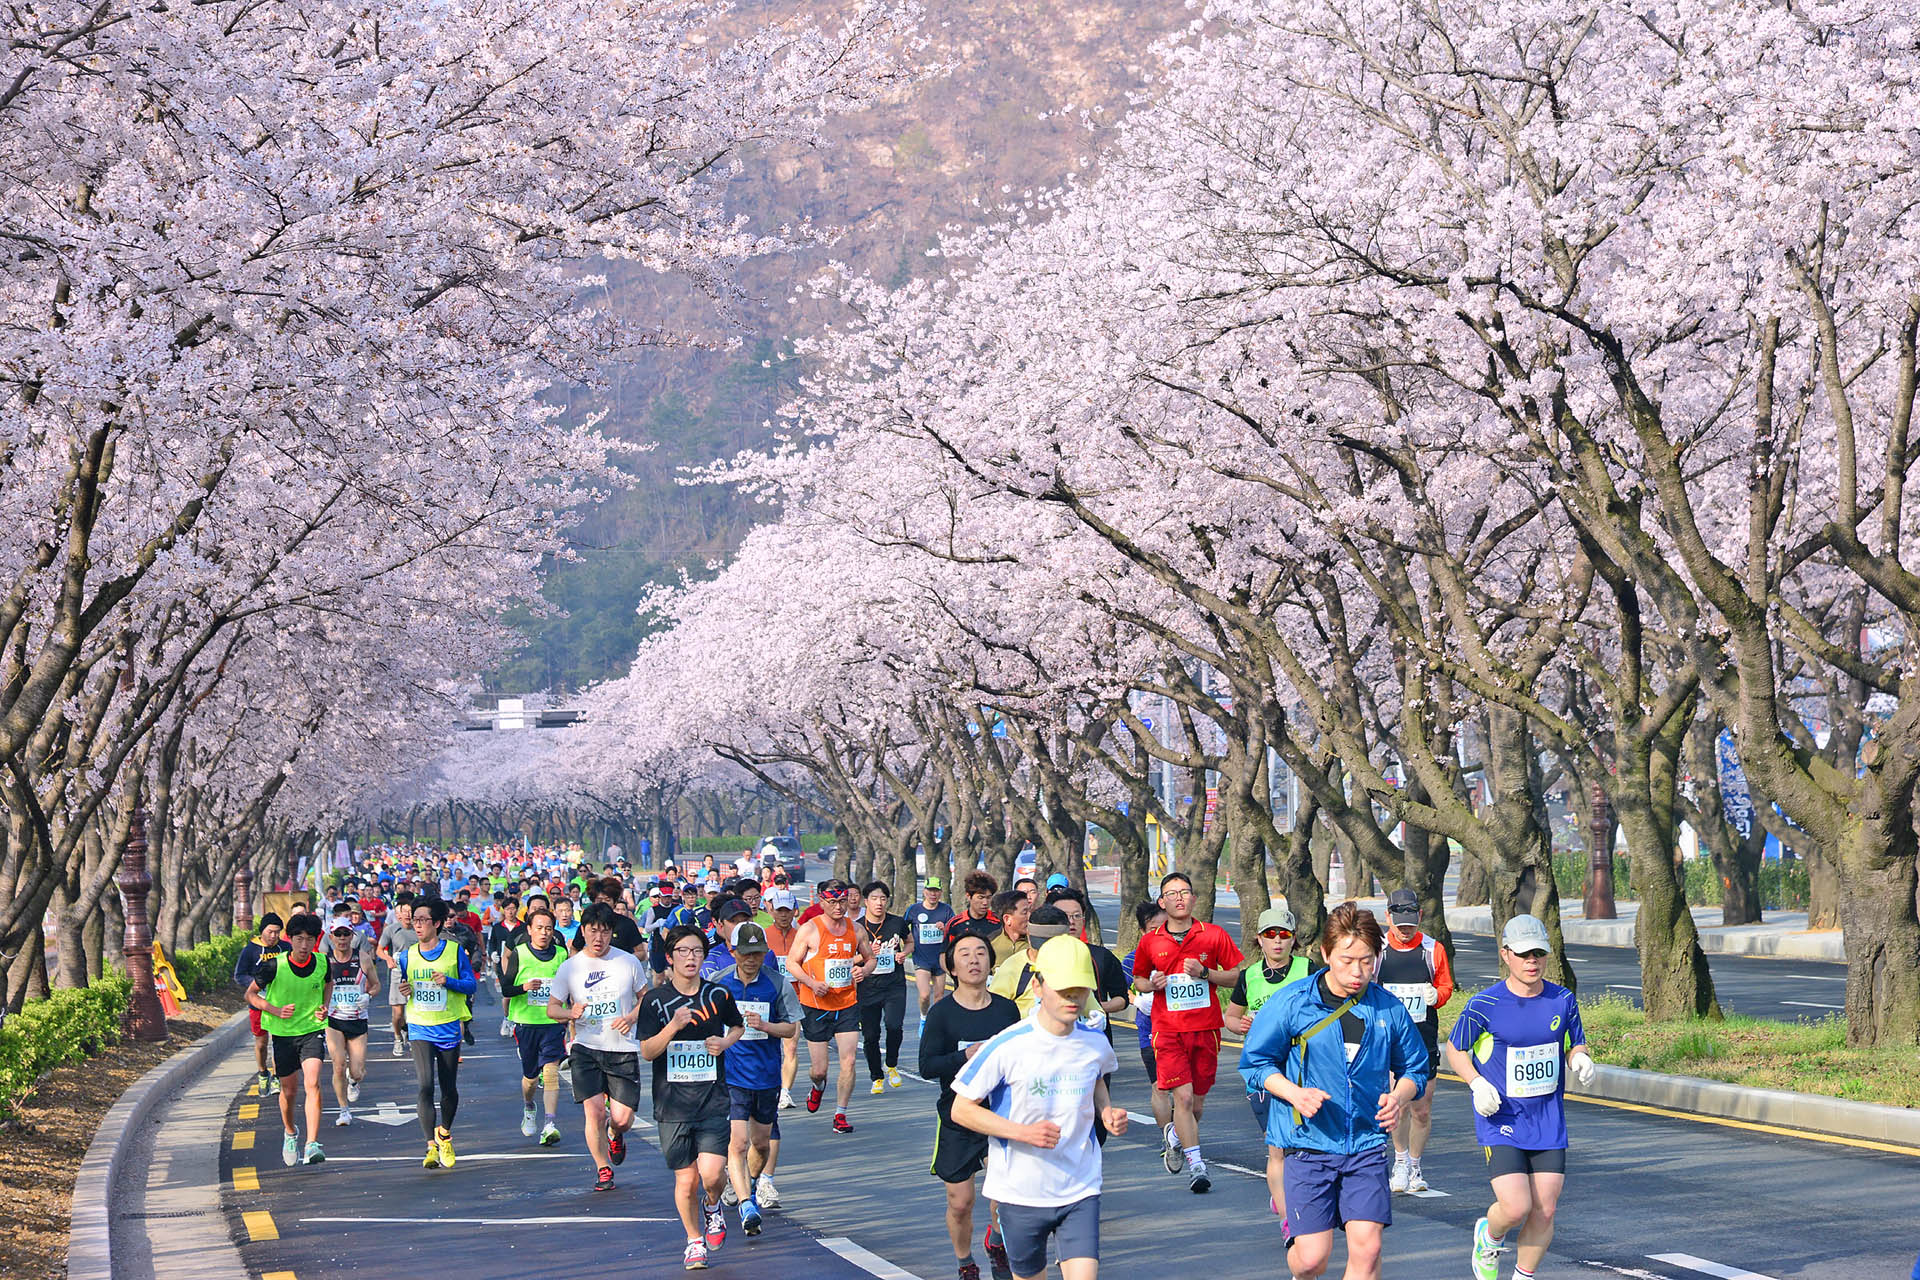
1403 907
729 908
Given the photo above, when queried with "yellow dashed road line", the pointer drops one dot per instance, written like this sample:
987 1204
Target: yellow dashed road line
243 1139
260 1225
278 1275
246 1178
251 1111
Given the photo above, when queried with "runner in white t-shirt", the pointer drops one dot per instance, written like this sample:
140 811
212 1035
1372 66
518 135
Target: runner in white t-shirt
597 991
1046 1077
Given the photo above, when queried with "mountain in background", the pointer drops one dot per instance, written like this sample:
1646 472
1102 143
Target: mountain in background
1032 90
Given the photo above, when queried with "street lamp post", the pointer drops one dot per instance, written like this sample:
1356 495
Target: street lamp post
1599 899
145 1019
243 899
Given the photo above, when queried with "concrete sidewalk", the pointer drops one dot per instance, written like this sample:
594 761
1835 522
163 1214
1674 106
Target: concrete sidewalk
1782 933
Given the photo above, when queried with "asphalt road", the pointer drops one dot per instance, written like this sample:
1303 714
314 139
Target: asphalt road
1759 986
1643 1187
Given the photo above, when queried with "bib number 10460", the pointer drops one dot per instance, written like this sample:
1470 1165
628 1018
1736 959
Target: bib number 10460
688 1062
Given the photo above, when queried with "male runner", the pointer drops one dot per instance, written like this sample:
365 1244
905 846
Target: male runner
1509 1044
267 942
1182 962
1013 907
1277 967
955 1029
883 993
927 923
978 919
1013 977
771 1016
828 958
1329 1048
597 990
1149 915
351 971
687 1025
290 992
526 980
1034 1089
437 982
1414 970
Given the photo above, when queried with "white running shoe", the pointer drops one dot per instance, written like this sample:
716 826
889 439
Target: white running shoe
786 1099
1416 1180
1170 1155
1397 1182
506 1027
353 1091
344 1119
729 1196
399 1047
765 1192
527 1129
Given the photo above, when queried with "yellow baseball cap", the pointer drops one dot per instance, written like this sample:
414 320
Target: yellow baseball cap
1064 963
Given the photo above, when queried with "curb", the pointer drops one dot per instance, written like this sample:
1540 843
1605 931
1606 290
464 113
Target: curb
1814 1113
90 1242
1826 946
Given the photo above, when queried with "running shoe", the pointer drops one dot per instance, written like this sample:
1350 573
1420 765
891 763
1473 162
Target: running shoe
273 1085
814 1095
969 1270
841 1124
266 1083
1197 1180
1170 1151
353 1091
617 1148
750 1218
1416 1180
314 1154
466 1033
549 1134
997 1260
695 1257
765 1194
1397 1181
716 1232
786 1099
399 1047
445 1140
344 1119
893 1078
728 1196
527 1127
433 1156
1485 1258
923 1036
604 1180
878 1088
506 1027
290 1150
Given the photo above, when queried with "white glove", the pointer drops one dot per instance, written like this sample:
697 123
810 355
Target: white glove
1143 1001
1486 1098
1431 994
1580 1067
1095 1019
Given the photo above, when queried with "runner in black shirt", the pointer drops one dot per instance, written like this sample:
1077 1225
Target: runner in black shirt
883 992
956 1026
686 1024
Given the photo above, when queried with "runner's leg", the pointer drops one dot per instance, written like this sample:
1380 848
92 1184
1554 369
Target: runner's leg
1363 1250
448 1063
423 1067
845 1042
1536 1233
870 1014
960 1200
337 1055
894 1015
1512 1203
310 1082
595 1109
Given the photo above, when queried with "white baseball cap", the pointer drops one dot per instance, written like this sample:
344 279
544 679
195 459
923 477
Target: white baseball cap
778 898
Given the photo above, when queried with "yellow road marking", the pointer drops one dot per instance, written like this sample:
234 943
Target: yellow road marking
246 1178
260 1225
243 1139
251 1111
1725 1122
278 1275
253 1090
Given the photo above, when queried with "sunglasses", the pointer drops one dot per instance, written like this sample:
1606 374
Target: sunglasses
1531 955
1276 933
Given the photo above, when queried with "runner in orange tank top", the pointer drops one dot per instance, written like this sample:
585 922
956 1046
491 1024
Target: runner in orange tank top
826 962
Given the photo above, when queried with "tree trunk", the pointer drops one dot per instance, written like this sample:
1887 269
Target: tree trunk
1674 981
1877 890
1824 893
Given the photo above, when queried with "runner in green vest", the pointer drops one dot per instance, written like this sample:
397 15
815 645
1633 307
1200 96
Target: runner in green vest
291 991
1276 968
526 979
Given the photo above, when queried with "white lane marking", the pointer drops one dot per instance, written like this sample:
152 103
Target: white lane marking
1238 1168
1818 977
1706 1267
1635 1272
1134 1117
480 1222
463 1157
866 1259
1809 1004
1430 1194
1623 986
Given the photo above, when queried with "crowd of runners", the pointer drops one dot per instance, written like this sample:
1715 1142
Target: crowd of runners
698 984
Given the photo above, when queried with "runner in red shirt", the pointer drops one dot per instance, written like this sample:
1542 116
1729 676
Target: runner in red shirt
1181 963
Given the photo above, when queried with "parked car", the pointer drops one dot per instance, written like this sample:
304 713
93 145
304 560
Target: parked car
784 853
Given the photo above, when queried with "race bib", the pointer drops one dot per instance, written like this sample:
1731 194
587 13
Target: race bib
1185 994
1412 996
839 974
781 961
537 992
598 1011
688 1062
1533 1070
932 933
763 1008
429 998
348 1003
883 960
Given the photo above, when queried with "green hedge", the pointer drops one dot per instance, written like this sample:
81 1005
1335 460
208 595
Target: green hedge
65 1027
1783 887
209 966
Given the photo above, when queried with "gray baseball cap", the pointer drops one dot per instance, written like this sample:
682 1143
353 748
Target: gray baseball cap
1403 907
1524 934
